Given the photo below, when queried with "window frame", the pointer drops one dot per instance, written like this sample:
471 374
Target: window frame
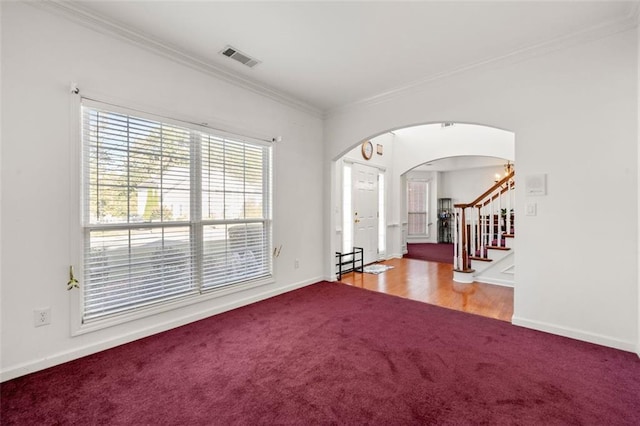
427 195
382 213
195 222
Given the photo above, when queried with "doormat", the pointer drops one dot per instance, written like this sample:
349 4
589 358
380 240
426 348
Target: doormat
376 269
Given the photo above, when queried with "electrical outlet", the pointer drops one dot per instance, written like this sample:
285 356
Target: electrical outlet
296 264
41 317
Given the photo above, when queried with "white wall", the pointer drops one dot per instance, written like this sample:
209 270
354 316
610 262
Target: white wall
417 145
383 162
464 186
420 144
1 143
409 147
41 54
573 111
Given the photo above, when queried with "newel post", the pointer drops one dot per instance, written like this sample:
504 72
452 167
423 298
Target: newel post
463 239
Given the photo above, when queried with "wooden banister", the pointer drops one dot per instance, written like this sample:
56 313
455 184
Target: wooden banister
484 225
487 192
502 191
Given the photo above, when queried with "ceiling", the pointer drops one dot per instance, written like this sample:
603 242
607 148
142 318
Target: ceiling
329 54
463 162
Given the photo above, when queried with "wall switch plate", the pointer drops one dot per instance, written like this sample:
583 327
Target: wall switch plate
535 184
531 209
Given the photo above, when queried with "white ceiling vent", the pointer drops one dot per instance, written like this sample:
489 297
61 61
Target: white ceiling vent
244 59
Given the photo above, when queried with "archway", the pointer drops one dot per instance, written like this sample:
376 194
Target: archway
394 154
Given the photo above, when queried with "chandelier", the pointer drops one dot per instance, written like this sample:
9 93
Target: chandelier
508 168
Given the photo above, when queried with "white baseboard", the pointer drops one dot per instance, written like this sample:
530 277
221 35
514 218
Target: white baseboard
585 336
494 281
66 356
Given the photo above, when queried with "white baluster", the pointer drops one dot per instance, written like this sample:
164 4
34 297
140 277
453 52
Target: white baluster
499 223
493 221
508 218
480 230
469 228
456 263
483 229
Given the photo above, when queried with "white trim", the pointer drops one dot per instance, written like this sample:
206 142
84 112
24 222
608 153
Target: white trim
65 356
76 249
596 32
364 163
427 235
494 281
75 12
463 277
165 306
573 333
509 270
76 237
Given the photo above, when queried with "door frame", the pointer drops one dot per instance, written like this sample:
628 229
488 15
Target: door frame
348 230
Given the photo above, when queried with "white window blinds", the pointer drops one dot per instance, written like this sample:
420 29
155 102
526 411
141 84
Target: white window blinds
417 203
235 209
169 211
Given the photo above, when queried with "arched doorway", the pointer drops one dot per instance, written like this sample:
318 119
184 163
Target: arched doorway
378 185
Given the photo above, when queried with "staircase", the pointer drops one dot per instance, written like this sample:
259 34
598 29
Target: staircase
484 236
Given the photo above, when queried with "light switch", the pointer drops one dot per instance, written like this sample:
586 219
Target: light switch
532 209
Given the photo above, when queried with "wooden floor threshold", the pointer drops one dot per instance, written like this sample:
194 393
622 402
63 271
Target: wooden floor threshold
432 282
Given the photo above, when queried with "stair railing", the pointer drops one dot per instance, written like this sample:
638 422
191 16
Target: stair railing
484 223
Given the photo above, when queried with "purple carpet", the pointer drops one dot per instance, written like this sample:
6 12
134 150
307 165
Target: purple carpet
441 252
334 354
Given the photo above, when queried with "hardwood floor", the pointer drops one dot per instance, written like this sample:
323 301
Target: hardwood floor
432 282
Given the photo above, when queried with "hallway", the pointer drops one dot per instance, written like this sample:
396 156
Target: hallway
432 283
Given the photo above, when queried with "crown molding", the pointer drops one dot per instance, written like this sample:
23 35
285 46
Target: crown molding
626 22
78 14
75 12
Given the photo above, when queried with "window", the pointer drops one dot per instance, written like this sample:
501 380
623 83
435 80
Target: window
347 220
169 211
382 220
417 207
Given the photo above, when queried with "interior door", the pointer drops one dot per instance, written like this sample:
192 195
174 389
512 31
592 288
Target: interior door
365 210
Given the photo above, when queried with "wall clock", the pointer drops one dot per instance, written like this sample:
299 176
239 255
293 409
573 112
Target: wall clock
367 150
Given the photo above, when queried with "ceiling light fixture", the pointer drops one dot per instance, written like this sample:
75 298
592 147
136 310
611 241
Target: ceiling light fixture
508 168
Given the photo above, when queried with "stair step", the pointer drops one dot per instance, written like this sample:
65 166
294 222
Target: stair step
482 259
509 235
498 248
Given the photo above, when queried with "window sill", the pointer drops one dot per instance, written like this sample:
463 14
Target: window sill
214 293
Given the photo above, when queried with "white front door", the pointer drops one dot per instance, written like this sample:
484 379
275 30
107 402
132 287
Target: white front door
365 210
